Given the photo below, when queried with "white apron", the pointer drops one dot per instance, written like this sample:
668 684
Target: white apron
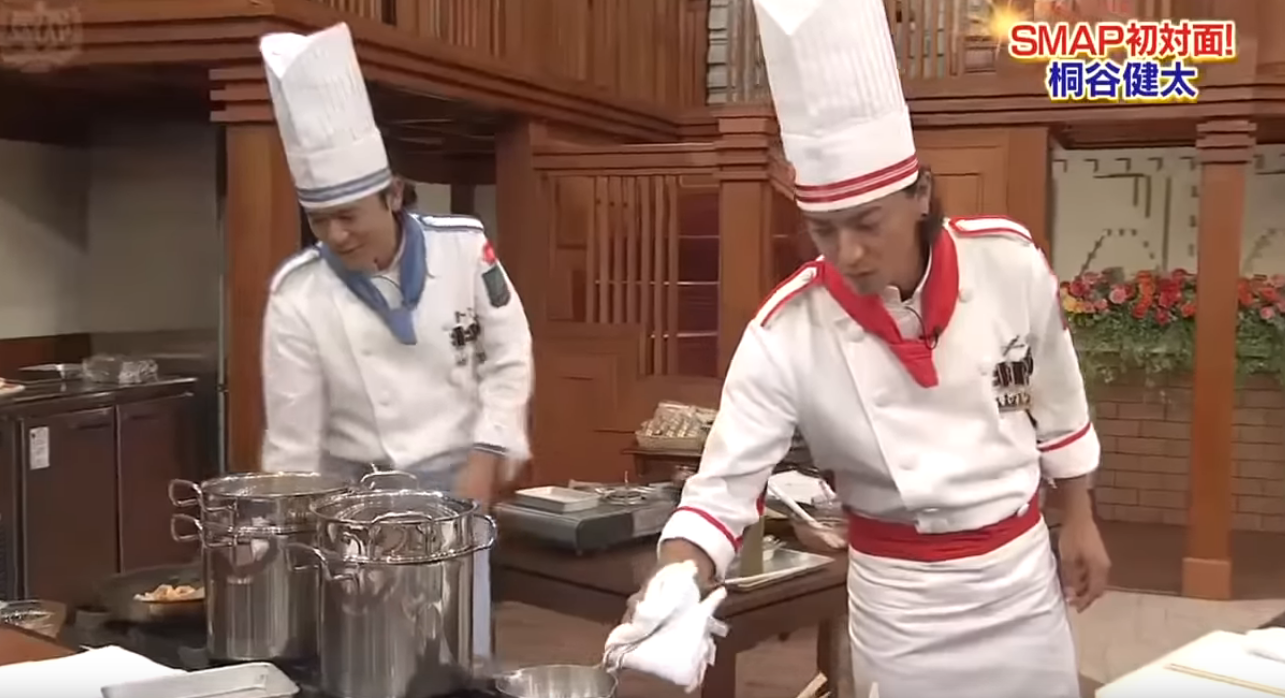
988 626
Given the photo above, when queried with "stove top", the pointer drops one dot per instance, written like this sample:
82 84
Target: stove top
183 647
625 515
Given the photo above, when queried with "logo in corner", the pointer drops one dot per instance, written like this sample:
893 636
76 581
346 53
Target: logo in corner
37 37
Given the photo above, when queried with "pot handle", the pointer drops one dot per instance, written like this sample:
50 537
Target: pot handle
316 559
192 522
371 481
176 486
492 534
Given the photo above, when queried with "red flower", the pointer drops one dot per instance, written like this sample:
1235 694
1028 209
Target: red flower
1146 294
1100 304
1119 294
1078 288
1140 309
1243 294
1169 297
1163 317
1179 276
1188 309
1269 294
1267 312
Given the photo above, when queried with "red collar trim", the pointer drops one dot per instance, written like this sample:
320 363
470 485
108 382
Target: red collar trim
940 293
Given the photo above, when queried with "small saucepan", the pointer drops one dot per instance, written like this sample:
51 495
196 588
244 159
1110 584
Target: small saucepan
558 681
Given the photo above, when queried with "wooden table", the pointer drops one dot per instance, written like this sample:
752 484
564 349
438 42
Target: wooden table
596 588
21 646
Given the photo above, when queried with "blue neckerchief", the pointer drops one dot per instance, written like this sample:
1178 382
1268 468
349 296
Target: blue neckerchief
414 272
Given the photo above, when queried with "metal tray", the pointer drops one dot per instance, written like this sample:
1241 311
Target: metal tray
255 680
562 500
116 595
52 372
783 564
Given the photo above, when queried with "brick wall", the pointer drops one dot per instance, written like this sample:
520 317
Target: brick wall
1146 448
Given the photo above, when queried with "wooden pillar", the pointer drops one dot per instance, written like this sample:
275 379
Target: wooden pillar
745 137
1029 182
1225 150
522 241
261 228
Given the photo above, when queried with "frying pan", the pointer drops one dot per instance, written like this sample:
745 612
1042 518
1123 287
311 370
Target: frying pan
116 595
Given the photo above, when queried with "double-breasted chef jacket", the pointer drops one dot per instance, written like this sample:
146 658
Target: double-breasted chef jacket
338 385
938 441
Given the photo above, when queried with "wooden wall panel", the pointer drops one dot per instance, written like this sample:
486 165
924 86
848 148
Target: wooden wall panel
648 53
631 237
993 171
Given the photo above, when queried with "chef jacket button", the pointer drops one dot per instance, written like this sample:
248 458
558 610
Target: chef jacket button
965 295
1021 511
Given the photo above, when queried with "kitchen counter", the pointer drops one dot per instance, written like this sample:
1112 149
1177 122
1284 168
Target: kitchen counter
40 391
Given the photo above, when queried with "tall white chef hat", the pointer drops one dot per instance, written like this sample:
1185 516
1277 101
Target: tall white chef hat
335 152
844 122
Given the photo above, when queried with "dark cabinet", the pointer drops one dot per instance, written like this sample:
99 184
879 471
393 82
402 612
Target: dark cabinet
155 444
69 503
84 488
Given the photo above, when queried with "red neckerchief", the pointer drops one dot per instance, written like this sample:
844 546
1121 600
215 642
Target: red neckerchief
940 292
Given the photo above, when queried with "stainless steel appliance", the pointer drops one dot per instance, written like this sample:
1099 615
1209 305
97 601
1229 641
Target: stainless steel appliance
259 604
396 613
625 514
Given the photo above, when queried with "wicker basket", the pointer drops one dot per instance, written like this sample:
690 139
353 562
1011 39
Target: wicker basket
665 443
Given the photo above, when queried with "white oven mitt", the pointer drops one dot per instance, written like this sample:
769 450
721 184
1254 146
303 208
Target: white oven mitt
671 633
1268 643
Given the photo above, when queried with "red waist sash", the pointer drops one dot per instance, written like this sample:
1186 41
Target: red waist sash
901 541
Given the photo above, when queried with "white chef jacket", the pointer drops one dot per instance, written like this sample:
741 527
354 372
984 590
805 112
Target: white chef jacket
945 458
338 385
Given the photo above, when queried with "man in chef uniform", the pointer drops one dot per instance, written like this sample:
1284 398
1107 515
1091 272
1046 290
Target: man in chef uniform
926 362
397 340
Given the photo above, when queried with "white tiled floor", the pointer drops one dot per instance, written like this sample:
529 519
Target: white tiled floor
1125 630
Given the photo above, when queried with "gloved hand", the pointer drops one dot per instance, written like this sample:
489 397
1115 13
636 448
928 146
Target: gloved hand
670 632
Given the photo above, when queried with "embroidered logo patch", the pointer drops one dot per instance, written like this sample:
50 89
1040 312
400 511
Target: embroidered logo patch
497 286
1012 377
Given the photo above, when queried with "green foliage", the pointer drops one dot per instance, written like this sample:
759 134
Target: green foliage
1146 323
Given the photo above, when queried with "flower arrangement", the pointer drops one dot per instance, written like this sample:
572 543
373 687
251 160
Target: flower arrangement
1146 322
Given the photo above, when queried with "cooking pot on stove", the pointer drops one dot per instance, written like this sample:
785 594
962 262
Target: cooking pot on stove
396 600
260 606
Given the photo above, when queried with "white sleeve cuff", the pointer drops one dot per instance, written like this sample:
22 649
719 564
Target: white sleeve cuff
703 531
511 438
1071 457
